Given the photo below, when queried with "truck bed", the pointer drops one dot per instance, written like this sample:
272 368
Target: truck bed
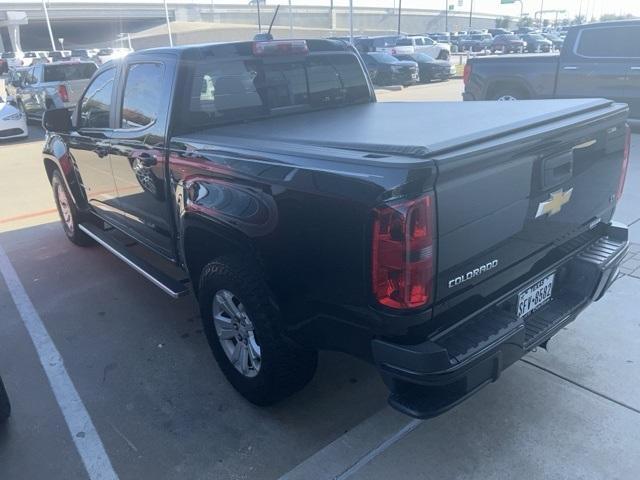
417 130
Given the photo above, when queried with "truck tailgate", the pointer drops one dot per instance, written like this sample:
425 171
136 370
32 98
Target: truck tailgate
506 202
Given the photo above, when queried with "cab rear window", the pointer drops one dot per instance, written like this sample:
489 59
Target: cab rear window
66 72
245 88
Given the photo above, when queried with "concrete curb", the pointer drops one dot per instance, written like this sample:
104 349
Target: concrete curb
337 458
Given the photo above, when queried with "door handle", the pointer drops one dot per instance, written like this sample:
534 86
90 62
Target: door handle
145 158
570 68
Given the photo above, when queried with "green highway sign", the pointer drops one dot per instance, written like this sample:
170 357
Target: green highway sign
504 2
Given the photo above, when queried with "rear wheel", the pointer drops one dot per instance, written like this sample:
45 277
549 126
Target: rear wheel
243 327
69 214
508 94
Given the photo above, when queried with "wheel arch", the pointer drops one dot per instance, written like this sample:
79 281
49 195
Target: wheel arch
203 240
56 158
508 83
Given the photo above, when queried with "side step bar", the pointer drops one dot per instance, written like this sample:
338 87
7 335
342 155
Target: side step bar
160 279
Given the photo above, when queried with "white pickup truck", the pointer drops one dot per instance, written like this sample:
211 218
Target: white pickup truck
418 44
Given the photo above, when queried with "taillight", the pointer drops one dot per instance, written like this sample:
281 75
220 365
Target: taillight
280 47
625 162
466 74
403 253
62 91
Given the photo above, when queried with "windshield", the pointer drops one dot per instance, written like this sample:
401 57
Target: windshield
509 37
383 57
535 37
70 71
105 51
220 92
79 53
8 55
422 57
404 42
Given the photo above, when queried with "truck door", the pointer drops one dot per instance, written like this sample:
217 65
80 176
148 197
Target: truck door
632 93
138 150
89 144
27 98
597 66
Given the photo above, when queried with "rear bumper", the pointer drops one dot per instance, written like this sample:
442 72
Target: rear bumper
430 378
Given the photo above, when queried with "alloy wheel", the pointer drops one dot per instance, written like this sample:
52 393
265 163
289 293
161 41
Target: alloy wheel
236 333
65 207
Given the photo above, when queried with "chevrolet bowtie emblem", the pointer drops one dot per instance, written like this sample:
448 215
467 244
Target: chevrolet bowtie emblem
555 203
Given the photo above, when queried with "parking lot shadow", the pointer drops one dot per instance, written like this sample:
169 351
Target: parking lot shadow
141 364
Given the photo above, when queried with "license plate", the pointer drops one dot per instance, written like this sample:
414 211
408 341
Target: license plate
534 296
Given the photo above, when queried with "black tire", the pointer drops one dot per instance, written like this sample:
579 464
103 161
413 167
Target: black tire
285 367
70 225
5 406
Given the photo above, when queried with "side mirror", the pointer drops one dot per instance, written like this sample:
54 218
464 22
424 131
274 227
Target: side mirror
57 120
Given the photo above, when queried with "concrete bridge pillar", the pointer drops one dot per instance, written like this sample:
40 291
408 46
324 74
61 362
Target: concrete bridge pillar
187 13
13 20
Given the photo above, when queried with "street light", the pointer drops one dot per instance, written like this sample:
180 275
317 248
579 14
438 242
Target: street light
128 37
166 14
46 16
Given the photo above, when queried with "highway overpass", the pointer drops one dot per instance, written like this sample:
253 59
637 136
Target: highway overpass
98 22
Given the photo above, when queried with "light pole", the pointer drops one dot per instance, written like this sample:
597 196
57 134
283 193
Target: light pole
166 14
350 22
470 14
290 21
259 21
399 15
446 15
46 16
128 36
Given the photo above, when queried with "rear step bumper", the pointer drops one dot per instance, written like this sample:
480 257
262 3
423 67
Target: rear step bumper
430 378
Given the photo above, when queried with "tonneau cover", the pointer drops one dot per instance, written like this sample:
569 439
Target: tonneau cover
414 129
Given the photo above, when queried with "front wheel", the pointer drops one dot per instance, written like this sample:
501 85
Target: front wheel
69 214
243 327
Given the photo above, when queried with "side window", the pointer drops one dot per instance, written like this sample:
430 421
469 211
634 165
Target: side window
29 77
419 41
142 95
610 42
96 103
429 41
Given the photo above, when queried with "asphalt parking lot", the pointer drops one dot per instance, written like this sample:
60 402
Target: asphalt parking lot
161 409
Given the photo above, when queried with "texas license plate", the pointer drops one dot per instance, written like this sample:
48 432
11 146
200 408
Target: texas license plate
534 296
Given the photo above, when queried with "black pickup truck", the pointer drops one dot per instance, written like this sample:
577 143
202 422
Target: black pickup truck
596 60
265 178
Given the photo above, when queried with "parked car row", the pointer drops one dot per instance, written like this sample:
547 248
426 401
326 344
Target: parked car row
30 91
406 69
403 45
9 60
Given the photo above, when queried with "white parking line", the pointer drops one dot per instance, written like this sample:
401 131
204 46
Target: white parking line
83 433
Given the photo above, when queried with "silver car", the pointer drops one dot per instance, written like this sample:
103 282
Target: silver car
53 85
